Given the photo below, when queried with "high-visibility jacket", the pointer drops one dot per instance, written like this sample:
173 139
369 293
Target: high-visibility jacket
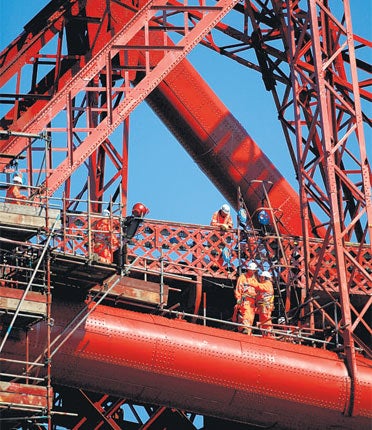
245 294
105 241
265 297
219 218
265 305
246 288
13 195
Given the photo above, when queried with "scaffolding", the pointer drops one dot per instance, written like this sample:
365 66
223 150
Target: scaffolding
172 269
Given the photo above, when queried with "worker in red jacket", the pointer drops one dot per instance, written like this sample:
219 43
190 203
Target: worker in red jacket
105 240
245 294
13 193
265 301
222 218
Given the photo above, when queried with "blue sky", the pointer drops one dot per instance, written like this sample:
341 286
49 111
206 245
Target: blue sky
161 174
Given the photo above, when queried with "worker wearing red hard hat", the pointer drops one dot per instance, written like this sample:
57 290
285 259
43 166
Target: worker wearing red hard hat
265 301
133 221
139 210
245 294
13 193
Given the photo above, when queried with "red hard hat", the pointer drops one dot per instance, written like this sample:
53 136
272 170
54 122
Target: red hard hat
139 210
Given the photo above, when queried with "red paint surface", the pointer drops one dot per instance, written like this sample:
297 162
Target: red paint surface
208 371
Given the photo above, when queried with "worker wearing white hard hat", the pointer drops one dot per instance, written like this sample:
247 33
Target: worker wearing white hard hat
265 301
17 180
245 294
13 193
222 218
225 208
105 240
251 266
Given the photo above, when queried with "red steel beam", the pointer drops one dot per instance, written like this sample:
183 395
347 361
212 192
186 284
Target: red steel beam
204 370
37 34
220 146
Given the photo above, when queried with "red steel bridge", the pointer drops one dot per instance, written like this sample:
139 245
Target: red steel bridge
148 341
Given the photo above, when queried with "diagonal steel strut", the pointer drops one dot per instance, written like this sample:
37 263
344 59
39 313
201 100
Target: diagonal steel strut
123 42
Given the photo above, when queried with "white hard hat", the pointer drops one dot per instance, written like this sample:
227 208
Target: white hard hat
266 274
252 266
17 179
225 208
106 212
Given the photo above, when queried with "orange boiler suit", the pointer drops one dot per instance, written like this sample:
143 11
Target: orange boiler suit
265 304
224 221
14 195
105 243
245 294
220 219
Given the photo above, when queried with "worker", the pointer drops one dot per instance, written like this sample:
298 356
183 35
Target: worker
245 295
13 193
222 218
105 240
130 226
133 221
265 301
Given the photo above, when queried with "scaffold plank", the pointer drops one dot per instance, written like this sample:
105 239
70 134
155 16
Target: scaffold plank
133 289
23 395
28 216
34 303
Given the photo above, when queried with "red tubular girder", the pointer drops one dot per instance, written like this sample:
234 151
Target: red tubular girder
221 147
206 370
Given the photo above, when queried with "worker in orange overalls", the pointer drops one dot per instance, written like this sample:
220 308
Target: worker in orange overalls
105 241
222 218
245 294
13 193
265 301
